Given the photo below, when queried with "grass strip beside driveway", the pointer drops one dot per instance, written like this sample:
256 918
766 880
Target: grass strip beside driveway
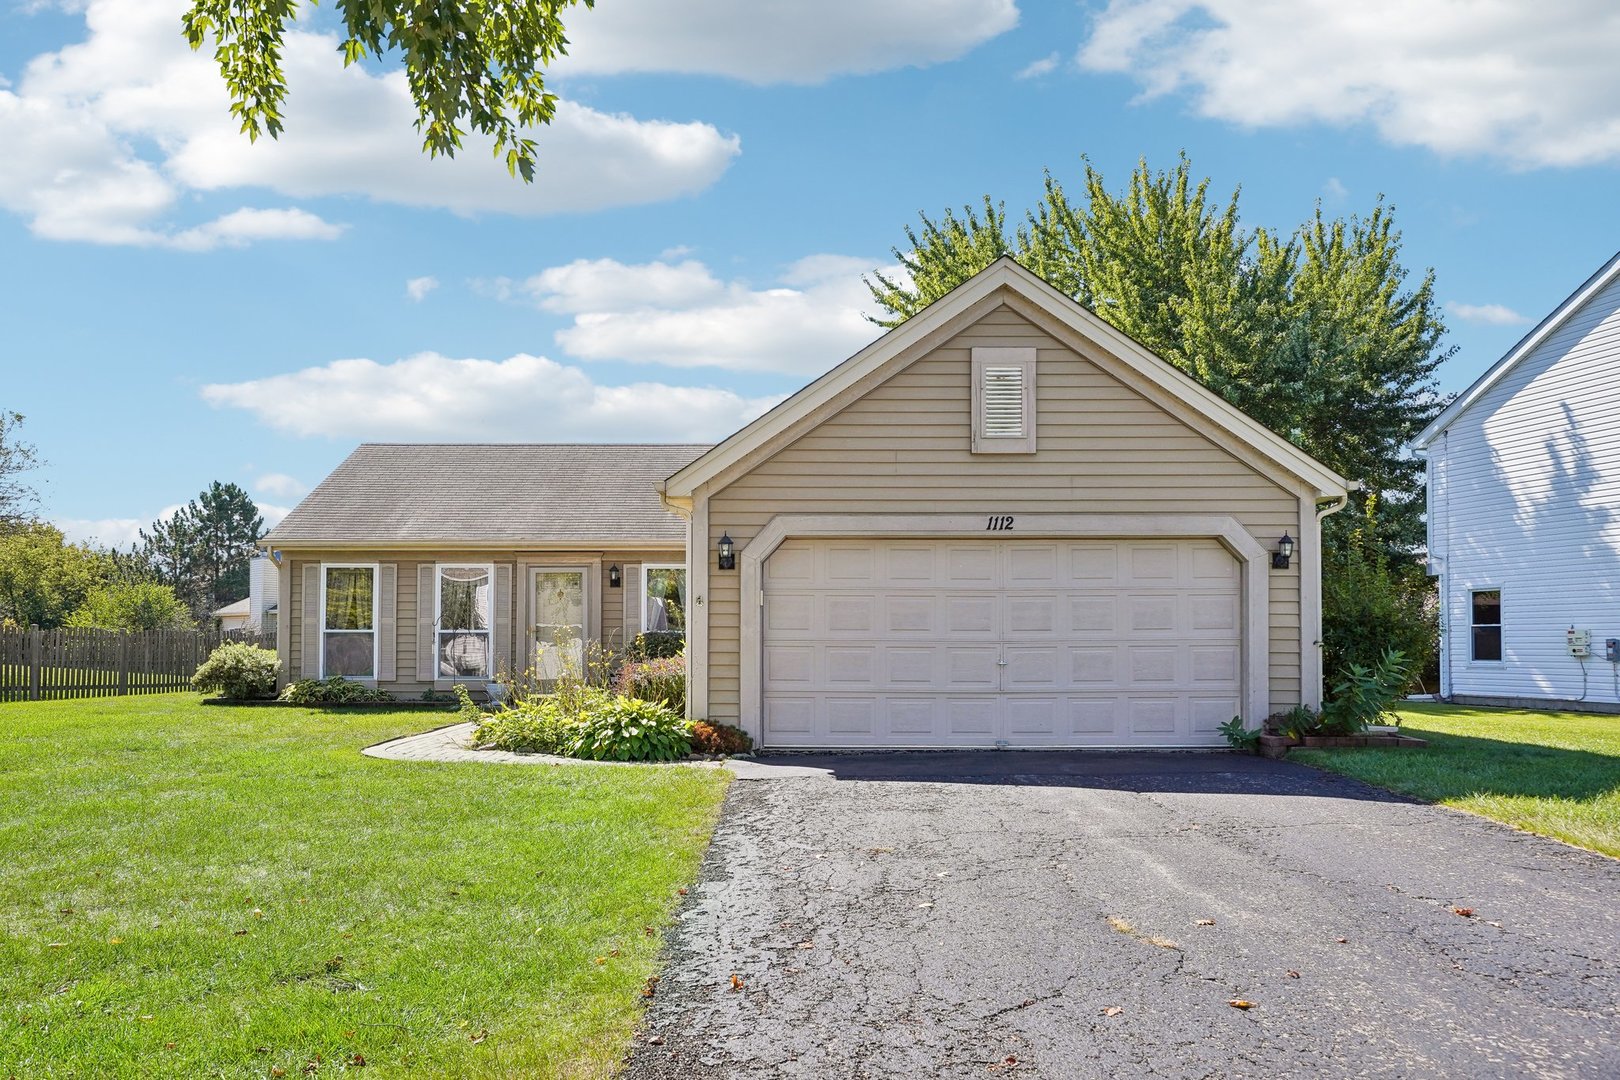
195 891
1552 773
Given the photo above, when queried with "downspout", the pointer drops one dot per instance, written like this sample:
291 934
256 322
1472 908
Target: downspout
1324 510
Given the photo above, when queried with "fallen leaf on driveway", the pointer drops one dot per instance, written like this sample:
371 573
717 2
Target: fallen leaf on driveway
1292 974
1205 922
926 903
655 1040
1112 1010
1342 940
736 982
1239 1003
650 987
1465 912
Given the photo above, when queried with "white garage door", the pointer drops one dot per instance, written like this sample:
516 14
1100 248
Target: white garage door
980 642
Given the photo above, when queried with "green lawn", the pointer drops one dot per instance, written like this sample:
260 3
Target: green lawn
190 891
1553 773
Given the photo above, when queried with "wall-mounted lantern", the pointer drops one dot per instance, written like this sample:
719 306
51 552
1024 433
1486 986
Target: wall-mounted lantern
615 578
728 552
1285 551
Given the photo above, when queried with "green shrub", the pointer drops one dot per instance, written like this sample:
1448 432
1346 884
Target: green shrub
1372 603
654 680
1298 722
1239 736
1364 694
710 738
540 728
335 690
656 645
625 729
238 671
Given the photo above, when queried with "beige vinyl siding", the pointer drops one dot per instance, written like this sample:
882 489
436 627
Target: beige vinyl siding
407 681
905 447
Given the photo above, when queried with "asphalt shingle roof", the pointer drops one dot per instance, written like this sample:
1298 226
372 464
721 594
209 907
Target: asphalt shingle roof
488 493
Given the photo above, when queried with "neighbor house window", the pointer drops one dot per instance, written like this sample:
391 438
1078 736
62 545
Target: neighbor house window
1003 401
349 621
1486 605
664 593
464 621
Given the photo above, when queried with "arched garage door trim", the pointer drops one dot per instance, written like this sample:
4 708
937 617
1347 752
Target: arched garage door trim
1252 557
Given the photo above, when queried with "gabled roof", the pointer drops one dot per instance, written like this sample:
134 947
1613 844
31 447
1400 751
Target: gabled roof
235 607
1573 303
490 495
789 418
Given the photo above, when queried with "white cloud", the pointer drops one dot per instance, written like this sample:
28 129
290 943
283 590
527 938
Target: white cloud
778 42
527 398
1037 68
272 513
683 316
1334 189
104 139
280 485
1498 78
1489 314
123 533
417 288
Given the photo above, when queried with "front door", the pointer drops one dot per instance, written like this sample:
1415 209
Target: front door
557 635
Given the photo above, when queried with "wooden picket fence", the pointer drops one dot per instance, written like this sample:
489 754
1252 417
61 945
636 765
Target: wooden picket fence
49 665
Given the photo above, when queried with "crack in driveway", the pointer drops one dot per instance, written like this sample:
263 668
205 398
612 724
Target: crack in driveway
957 927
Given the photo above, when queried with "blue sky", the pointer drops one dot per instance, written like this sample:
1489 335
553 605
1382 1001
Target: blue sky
179 306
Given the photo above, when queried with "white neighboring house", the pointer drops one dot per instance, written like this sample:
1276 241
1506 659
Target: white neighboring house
255 612
1524 514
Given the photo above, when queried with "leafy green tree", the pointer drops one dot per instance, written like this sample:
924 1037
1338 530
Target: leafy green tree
1316 334
202 551
479 63
125 605
43 578
18 500
1372 602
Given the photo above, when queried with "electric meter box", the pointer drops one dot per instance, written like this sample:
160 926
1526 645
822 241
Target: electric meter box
1611 650
1579 641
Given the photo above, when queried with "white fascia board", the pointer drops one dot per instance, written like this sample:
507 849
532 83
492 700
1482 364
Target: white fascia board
1527 345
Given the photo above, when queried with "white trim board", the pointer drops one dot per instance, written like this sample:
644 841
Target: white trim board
1254 560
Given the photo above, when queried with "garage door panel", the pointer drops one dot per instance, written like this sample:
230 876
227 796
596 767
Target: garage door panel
1092 614
1153 664
1092 565
1208 714
907 614
971 615
975 716
1151 716
1020 642
1098 664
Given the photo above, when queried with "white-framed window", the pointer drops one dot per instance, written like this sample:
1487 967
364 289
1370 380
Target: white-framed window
663 593
349 620
1003 401
464 595
1485 624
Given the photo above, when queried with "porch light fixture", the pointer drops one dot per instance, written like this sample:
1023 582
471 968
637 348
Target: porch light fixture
728 552
615 578
1284 552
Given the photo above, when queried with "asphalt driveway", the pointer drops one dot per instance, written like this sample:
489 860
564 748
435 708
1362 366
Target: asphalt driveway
1058 914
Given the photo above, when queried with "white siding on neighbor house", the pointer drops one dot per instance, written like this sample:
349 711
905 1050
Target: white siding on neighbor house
1524 489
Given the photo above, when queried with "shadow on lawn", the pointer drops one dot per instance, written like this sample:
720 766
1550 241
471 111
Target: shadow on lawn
1459 766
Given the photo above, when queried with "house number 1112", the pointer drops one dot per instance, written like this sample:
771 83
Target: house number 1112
998 523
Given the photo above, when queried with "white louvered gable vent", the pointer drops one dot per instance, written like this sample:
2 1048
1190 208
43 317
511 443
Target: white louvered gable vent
1003 401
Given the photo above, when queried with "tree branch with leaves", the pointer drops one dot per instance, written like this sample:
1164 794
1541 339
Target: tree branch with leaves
477 64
